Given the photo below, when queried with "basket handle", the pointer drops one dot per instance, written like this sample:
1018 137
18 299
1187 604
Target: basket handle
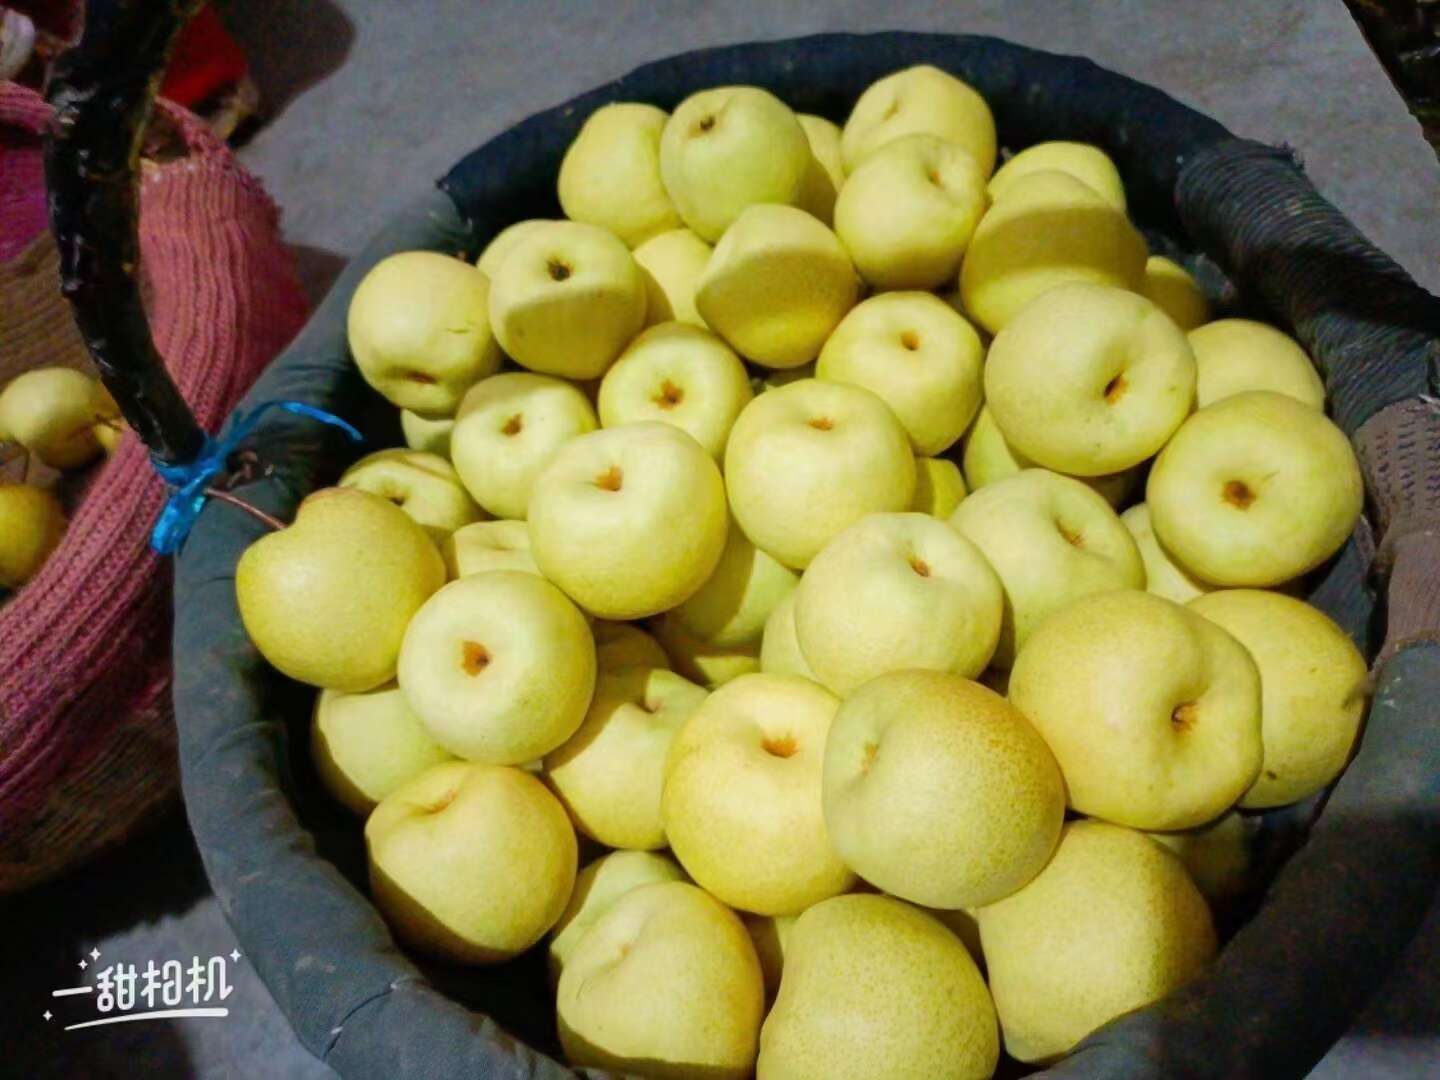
102 92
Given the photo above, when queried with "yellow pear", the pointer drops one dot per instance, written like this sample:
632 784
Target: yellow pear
609 773
770 935
52 412
610 176
665 983
1162 576
488 545
1170 287
779 648
501 244
912 351
420 330
907 212
677 374
1086 163
672 264
432 435
1313 686
366 745
1152 711
987 457
471 863
1089 379
825 174
709 665
939 791
424 485
731 608
1235 355
620 645
327 600
1050 229
597 887
498 666
897 591
939 487
776 286
1255 490
31 525
1113 923
874 987
806 460
921 99
629 521
729 148
1051 540
566 299
741 801
1218 855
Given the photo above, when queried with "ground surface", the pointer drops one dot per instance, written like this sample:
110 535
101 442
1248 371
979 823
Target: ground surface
372 100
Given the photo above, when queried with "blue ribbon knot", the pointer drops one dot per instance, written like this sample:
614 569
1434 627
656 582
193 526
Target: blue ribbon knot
188 482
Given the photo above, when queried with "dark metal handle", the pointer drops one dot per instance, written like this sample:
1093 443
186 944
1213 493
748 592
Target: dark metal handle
102 92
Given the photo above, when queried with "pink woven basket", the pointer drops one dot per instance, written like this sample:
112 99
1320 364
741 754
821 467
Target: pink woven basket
87 742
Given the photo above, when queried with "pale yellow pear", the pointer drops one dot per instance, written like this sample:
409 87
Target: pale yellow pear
499 667
488 545
1086 163
1152 710
422 484
939 487
677 374
987 457
729 148
507 430
741 802
776 286
875 987
32 522
925 100
620 645
1170 287
1162 576
1113 923
366 745
1089 379
908 211
709 665
597 887
1051 229
897 591
470 863
566 299
1217 855
825 174
672 264
939 791
779 648
420 331
1255 490
1236 355
495 251
806 460
1051 539
665 983
610 175
918 356
770 935
609 773
1313 686
327 600
629 521
52 412
431 435
731 608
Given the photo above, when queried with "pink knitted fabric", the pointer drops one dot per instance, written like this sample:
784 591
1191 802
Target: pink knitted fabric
85 646
22 169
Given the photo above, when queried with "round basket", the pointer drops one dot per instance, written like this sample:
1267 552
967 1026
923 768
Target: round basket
288 866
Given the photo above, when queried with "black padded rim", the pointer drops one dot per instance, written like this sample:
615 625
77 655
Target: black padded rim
326 956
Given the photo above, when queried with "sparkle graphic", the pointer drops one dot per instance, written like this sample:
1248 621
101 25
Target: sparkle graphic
94 954
83 965
48 1015
235 954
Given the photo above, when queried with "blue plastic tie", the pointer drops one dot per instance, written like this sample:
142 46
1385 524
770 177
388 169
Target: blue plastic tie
188 482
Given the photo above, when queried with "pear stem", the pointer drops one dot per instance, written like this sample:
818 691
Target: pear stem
254 511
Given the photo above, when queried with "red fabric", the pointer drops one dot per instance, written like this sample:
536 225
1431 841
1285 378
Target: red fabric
22 170
87 642
206 60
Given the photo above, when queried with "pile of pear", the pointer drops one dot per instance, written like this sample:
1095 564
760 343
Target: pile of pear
883 557
63 420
